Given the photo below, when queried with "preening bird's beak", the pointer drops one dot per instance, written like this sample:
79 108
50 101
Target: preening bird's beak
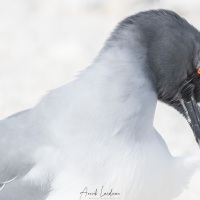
191 109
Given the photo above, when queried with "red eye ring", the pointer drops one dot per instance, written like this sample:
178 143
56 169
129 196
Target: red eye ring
198 70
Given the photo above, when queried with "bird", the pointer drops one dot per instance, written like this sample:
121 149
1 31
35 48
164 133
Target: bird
94 137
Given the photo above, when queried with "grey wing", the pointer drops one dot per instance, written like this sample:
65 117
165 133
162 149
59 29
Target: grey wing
16 148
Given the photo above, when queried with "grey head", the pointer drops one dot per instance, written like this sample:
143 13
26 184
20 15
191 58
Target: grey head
173 56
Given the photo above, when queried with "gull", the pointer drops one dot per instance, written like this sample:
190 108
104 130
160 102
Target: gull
94 138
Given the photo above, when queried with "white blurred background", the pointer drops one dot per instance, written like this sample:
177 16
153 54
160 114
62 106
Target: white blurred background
44 43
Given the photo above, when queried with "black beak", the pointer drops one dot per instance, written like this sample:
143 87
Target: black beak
190 108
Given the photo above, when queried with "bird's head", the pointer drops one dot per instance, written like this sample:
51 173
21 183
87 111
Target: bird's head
173 56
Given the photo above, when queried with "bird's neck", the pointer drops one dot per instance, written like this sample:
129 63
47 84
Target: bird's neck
117 90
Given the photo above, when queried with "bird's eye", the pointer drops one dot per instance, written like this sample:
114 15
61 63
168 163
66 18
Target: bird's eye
198 70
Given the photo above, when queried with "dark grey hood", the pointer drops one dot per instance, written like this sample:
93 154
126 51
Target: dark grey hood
173 57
